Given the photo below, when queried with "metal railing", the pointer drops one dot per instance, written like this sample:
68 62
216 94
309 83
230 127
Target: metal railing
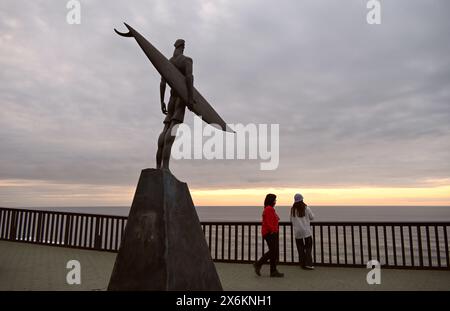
410 245
87 231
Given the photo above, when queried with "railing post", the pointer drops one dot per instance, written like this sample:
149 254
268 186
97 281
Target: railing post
446 247
369 242
39 228
419 238
98 235
229 243
345 244
314 243
438 250
68 231
12 233
353 245
411 247
215 240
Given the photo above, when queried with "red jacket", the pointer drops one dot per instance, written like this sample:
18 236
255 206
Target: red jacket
270 221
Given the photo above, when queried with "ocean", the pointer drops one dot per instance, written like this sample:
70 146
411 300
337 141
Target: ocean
322 213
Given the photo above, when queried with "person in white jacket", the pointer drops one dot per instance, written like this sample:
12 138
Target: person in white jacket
301 216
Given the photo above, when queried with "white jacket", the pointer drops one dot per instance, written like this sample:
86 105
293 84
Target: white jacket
301 225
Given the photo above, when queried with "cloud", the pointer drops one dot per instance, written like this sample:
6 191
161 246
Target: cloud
357 104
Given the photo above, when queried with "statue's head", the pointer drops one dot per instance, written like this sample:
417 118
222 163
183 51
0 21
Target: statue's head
179 44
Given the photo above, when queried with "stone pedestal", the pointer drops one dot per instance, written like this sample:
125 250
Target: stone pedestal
163 247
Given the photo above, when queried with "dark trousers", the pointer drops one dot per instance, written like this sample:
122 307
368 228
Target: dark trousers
272 254
304 248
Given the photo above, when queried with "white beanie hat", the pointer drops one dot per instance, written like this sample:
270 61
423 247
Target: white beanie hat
298 197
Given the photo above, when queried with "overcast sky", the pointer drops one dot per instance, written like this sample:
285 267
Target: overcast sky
357 104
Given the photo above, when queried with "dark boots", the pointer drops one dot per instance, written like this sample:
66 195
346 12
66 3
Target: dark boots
273 274
276 274
257 268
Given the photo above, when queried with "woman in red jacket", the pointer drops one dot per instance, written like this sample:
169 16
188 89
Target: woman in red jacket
270 234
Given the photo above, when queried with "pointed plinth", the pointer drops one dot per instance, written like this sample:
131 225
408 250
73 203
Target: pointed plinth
163 247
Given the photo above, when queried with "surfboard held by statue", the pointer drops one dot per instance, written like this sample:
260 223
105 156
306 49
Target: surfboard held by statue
176 80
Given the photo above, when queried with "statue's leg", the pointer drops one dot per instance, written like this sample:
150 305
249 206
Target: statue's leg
159 152
168 142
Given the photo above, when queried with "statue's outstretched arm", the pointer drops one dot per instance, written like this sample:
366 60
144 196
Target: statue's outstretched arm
162 93
190 83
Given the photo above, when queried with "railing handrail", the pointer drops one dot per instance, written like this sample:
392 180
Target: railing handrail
340 223
62 213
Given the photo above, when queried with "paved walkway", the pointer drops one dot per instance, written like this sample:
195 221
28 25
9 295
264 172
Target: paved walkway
36 267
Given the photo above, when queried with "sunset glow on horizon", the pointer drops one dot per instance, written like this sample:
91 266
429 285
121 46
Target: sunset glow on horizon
327 196
42 193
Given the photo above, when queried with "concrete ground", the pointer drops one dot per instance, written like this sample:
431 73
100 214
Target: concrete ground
36 267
